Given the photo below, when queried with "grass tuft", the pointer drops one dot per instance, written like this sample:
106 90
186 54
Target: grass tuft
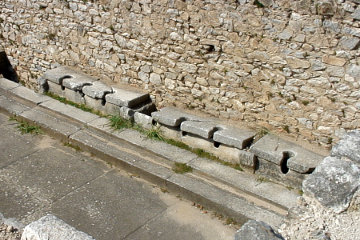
25 127
118 122
181 168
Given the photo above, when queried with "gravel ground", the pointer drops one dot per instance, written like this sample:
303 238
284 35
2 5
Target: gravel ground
9 233
310 220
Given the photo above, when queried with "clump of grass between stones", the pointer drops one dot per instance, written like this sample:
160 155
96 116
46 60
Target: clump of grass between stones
25 127
181 168
118 122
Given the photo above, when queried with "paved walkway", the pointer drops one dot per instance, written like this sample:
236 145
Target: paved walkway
38 175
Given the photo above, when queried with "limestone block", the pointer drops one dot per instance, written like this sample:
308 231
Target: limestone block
200 128
247 159
276 150
95 103
273 172
145 108
126 98
56 89
126 113
50 227
257 230
57 75
234 137
348 146
332 60
349 43
333 183
77 81
112 108
74 96
143 120
225 153
97 90
172 117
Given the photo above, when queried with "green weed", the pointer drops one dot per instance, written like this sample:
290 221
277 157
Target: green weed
181 168
25 127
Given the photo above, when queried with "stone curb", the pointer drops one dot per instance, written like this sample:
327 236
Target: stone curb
190 186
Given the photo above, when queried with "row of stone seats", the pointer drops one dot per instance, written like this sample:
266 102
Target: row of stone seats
277 159
80 88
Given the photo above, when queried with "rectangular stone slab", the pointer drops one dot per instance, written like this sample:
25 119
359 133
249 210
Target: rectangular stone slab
272 148
7 84
234 137
200 128
126 98
29 95
77 81
56 75
172 117
97 90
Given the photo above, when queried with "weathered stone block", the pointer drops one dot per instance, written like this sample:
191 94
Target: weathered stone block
97 90
74 96
257 230
333 183
203 129
97 104
57 75
143 120
112 108
56 89
272 171
172 117
286 154
50 227
349 43
145 108
7 84
234 137
125 98
247 159
348 146
77 81
127 113
225 153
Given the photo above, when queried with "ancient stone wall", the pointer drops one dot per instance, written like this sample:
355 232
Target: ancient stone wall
289 66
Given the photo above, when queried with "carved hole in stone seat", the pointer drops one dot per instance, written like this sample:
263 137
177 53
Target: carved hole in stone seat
283 164
62 79
183 133
153 122
216 144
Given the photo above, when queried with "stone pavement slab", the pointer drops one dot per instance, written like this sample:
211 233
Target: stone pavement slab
10 138
54 125
93 197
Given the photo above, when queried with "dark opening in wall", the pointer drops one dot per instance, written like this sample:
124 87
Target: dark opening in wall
6 69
